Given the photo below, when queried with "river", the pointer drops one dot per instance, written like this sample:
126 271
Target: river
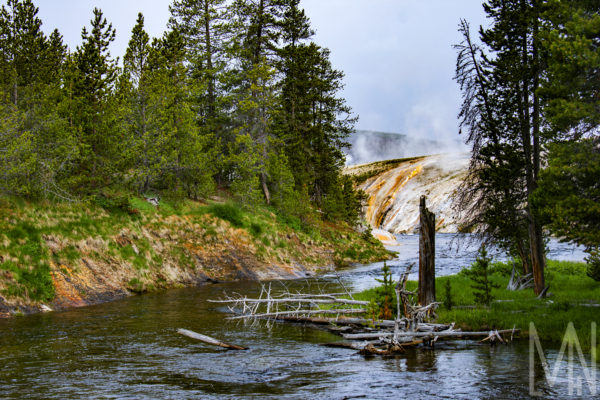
453 253
129 349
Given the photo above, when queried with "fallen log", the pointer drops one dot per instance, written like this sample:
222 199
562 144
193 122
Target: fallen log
209 340
519 282
403 335
276 315
322 300
344 345
335 321
423 327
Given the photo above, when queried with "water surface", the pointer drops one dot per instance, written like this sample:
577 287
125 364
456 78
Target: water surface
129 349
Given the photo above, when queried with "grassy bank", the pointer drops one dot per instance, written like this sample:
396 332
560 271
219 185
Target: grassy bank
50 252
574 298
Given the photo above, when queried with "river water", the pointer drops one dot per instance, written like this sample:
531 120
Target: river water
129 349
453 253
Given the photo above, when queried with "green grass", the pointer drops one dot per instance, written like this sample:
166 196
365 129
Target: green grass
36 237
142 205
229 212
32 271
572 293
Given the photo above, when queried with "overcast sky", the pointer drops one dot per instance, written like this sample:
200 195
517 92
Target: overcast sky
397 54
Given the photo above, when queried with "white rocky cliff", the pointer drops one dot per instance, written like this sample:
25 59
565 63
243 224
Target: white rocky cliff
394 190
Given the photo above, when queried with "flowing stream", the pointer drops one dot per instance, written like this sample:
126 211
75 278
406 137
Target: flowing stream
129 349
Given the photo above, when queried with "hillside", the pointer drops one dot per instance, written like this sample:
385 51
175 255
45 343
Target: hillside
57 256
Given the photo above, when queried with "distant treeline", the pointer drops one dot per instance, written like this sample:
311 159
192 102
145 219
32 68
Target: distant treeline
234 96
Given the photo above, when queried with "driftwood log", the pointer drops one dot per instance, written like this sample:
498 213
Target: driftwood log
346 317
442 334
519 282
209 340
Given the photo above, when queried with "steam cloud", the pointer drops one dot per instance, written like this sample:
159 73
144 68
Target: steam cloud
371 146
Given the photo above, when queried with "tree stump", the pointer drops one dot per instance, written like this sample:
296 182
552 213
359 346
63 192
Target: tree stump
426 255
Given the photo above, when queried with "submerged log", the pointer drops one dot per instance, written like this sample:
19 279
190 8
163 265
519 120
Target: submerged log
209 340
344 345
387 351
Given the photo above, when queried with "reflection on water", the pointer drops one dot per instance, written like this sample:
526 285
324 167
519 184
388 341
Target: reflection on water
130 349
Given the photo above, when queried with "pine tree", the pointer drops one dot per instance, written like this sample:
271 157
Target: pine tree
479 274
94 115
187 158
314 123
36 147
568 197
254 44
204 26
24 45
570 36
137 88
502 112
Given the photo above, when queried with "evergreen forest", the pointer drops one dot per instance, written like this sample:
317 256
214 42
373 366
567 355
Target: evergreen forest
234 99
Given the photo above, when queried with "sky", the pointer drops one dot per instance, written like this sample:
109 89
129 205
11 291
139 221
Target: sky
397 55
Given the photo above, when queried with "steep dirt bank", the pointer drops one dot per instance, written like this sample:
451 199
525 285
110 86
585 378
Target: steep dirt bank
61 256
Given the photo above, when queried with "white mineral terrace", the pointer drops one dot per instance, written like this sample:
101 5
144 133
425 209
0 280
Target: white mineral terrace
394 195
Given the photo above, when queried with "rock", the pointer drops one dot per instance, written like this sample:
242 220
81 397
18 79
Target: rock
45 308
385 237
155 201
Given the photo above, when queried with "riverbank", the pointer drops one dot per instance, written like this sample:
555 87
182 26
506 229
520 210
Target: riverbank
55 255
574 297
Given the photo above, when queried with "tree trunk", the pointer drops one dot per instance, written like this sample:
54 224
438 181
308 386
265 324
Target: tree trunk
537 245
426 255
209 63
263 182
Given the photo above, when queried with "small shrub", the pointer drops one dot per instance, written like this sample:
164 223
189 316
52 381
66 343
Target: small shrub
115 202
593 262
23 231
384 300
69 253
38 283
505 268
368 237
228 212
448 300
256 229
136 286
479 273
